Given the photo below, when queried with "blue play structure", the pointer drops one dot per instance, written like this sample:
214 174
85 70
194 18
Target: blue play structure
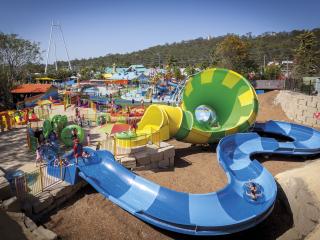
227 211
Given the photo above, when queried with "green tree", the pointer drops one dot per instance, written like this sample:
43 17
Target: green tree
16 53
307 55
190 70
272 72
5 85
177 73
233 53
17 59
86 73
61 73
172 61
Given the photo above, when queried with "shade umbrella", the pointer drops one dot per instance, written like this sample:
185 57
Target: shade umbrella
44 102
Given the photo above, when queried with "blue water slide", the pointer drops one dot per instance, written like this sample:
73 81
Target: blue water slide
172 84
162 88
228 210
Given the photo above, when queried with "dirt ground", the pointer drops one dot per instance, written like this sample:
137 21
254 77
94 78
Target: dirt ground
90 216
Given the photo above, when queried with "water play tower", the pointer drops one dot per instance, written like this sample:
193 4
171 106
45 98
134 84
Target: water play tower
216 103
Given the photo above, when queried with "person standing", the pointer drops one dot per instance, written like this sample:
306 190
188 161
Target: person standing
79 121
77 113
77 149
74 133
98 146
88 139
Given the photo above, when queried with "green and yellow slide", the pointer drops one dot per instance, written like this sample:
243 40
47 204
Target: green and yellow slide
216 102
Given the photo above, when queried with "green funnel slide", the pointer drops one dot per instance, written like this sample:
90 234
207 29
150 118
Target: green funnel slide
215 103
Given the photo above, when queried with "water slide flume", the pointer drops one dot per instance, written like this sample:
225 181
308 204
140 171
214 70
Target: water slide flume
223 212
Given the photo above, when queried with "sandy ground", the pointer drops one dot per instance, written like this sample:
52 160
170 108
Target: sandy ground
90 216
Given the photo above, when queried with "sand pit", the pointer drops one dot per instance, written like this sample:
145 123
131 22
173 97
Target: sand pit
89 216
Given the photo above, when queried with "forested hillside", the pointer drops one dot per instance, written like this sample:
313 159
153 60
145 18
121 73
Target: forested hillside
270 45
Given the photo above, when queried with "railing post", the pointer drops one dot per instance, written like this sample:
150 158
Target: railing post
60 163
28 139
16 186
41 178
115 146
25 183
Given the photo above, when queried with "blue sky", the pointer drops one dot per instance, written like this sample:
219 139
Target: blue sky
96 28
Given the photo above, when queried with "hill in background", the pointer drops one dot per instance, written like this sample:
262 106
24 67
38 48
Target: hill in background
268 46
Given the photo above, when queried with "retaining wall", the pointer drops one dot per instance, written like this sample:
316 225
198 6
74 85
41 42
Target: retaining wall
300 107
149 157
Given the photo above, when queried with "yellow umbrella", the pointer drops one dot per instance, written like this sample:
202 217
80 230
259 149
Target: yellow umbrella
44 102
44 79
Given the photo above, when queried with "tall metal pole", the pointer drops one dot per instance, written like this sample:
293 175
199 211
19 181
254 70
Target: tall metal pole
46 67
65 46
55 55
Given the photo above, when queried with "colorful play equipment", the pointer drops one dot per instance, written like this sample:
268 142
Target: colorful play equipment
10 118
219 92
126 135
102 119
47 128
5 122
217 104
66 134
58 122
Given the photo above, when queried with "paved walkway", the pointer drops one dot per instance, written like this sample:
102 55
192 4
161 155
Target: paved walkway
14 153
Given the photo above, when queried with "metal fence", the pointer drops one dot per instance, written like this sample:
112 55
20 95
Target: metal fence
92 119
305 87
30 184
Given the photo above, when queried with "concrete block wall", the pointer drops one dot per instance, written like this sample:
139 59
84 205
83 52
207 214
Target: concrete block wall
150 157
11 206
300 107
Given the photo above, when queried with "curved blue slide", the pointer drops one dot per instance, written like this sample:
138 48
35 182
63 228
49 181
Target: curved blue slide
229 210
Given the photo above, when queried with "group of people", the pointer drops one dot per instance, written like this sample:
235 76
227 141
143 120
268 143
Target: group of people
42 142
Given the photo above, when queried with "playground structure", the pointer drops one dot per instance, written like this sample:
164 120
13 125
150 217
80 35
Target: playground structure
235 114
28 95
216 105
162 92
5 120
12 118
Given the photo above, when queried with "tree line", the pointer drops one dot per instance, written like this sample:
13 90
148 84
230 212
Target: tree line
245 52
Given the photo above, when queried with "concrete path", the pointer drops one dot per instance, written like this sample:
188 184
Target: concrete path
14 153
